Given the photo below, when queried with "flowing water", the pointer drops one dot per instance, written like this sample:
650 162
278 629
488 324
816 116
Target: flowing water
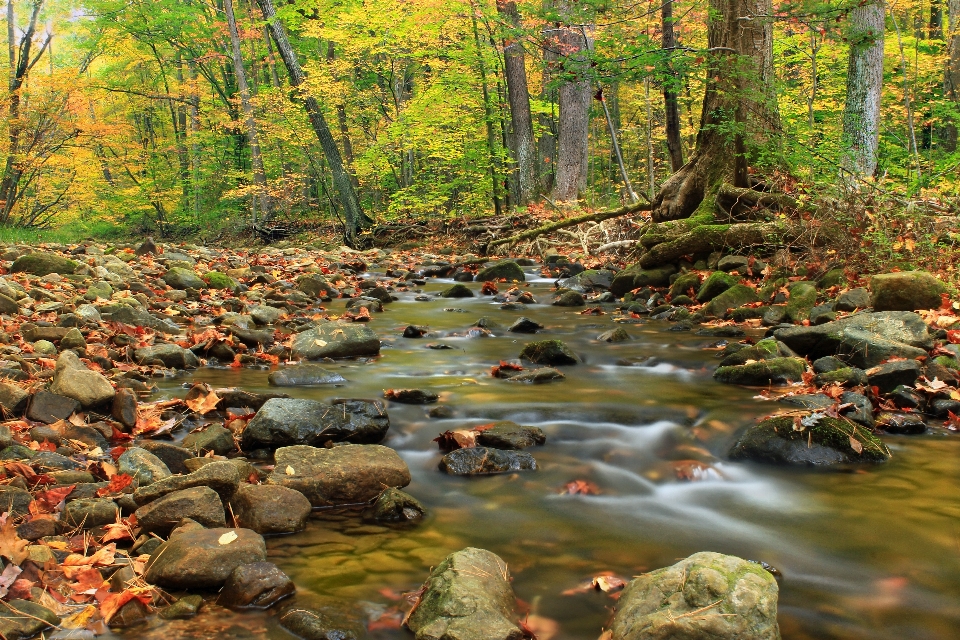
865 553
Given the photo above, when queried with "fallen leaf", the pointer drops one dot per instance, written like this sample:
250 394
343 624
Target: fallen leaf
855 445
228 537
11 546
290 471
202 399
115 601
118 482
8 577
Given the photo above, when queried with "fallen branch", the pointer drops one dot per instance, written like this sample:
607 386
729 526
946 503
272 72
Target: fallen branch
571 222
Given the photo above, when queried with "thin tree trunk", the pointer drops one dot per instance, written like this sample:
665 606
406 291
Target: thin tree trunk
651 170
518 95
342 119
861 112
256 158
574 100
907 102
493 159
670 104
935 28
353 213
951 74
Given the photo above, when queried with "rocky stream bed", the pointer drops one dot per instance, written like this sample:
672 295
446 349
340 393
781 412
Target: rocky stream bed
209 443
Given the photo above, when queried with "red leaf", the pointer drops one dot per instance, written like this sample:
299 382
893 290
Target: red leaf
118 483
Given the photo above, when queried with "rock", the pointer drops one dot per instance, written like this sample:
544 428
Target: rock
140 318
257 585
171 355
852 300
863 340
286 421
614 335
802 299
13 399
684 283
569 299
73 380
316 286
537 376
171 455
15 500
588 281
525 325
849 376
90 512
861 409
123 409
201 504
270 508
264 314
8 306
23 619
764 372
505 269
887 377
87 434
147 247
411 396
467 597
185 607
826 441
142 466
198 559
73 339
131 614
905 291
304 374
765 349
901 423
734 297
221 475
180 278
484 461
345 474
327 623
822 314
49 407
214 438
722 332
336 340
217 280
457 291
394 505
715 284
737 598
40 264
44 348
17 452
549 352
634 277
510 435
53 461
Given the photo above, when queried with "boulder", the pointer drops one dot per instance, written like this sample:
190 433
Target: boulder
734 297
73 380
23 619
221 475
270 508
715 284
302 375
905 291
214 438
510 435
684 283
336 340
524 325
763 372
123 409
467 597
635 277
49 407
887 377
90 512
485 461
142 466
708 595
549 352
614 335
265 314
588 281
852 300
139 318
256 585
337 620
765 349
819 441
41 264
569 299
345 474
200 504
180 278
536 376
286 421
505 269
171 355
411 396
171 455
803 297
457 291
394 505
203 558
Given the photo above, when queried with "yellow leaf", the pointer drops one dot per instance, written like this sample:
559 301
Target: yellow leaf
320 343
228 537
289 471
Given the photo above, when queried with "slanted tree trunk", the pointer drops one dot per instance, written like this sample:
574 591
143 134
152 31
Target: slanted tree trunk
951 75
739 114
518 95
861 112
574 98
353 213
670 104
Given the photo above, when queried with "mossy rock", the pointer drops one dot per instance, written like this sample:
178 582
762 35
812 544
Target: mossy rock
763 372
715 284
906 291
684 283
848 376
217 280
734 297
549 352
832 278
947 361
635 277
41 264
457 291
765 349
770 287
741 314
823 441
508 270
803 297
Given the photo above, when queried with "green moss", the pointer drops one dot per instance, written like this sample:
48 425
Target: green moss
947 361
763 372
217 280
834 433
802 299
549 352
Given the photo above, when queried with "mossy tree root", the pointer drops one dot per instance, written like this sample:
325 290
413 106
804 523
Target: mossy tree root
702 239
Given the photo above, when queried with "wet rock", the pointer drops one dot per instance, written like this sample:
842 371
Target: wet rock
901 423
765 349
336 340
510 435
201 504
734 297
394 505
537 376
905 291
737 598
614 335
634 277
852 300
90 512
199 560
49 407
73 380
569 299
345 474
588 281
846 376
413 331
505 269
721 332
256 585
457 291
467 597
142 466
41 264
485 461
180 278
304 374
123 409
803 297
327 623
823 441
861 410
171 355
525 325
214 438
284 421
270 508
185 607
887 377
549 352
764 372
411 396
715 284
171 455
23 619
222 476
14 500
13 399
131 614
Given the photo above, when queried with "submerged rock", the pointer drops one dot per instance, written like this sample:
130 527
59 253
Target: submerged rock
708 595
484 461
467 597
820 440
394 505
303 374
256 585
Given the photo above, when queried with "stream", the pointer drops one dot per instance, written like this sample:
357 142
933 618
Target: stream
872 552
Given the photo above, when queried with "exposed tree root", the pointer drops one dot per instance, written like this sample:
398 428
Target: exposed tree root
705 238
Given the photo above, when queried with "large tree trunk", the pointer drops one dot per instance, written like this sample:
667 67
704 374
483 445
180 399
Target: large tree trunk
670 104
739 114
518 94
861 112
951 75
574 98
353 213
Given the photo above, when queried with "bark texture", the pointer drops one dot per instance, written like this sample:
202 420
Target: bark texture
861 111
670 103
951 76
518 94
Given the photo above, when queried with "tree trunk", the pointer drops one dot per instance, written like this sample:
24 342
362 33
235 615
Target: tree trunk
935 28
861 112
518 95
574 99
353 213
739 116
951 75
492 156
671 106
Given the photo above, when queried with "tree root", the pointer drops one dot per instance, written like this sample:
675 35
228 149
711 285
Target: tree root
740 204
711 237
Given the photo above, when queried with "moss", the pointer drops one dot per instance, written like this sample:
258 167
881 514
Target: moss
802 299
683 283
763 372
715 284
834 433
947 361
549 352
217 280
